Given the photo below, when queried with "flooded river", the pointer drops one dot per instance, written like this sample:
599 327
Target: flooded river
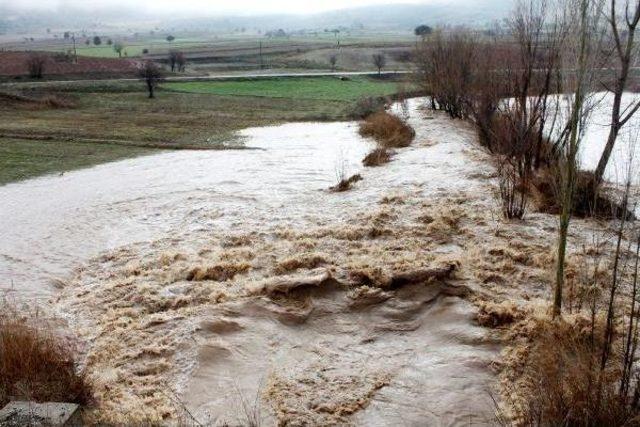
229 280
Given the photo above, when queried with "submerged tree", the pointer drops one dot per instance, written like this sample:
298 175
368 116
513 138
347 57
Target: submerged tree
151 74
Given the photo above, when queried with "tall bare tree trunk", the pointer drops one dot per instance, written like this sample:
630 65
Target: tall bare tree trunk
586 45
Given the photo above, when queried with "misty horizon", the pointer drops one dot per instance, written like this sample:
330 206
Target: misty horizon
200 8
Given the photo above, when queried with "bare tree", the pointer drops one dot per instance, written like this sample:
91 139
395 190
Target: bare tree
181 61
333 60
446 68
173 59
36 65
379 60
580 62
623 29
151 74
118 47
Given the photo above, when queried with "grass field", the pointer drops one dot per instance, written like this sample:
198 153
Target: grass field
321 88
117 120
21 159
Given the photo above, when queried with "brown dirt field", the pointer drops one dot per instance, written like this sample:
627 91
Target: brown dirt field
14 64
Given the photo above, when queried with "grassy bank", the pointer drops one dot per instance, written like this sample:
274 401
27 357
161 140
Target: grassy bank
22 159
101 122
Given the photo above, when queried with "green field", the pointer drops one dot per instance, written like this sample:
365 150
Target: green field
317 88
109 121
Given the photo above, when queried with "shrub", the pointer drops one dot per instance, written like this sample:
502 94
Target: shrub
377 157
367 106
513 192
388 130
36 65
589 200
345 184
36 364
557 379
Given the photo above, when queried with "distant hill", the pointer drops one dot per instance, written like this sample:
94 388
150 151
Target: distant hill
403 16
397 16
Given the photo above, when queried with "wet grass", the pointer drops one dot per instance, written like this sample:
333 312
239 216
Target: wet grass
307 88
22 159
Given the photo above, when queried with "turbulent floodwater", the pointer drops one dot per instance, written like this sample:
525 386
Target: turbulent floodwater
235 283
315 356
54 223
229 280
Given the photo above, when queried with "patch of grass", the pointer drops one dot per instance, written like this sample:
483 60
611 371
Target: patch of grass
22 159
313 88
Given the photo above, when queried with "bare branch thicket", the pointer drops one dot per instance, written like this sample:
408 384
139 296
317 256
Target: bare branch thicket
445 69
623 20
36 63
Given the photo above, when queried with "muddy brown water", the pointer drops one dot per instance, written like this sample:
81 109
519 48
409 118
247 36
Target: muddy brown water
410 357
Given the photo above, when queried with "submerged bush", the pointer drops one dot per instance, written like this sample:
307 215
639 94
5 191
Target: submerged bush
36 364
377 157
589 200
345 184
388 130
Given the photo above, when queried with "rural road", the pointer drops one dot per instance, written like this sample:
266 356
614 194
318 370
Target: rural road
210 77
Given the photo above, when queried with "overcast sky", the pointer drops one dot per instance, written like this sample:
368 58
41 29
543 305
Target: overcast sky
210 6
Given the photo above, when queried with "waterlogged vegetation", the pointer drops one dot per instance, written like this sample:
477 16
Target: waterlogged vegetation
93 123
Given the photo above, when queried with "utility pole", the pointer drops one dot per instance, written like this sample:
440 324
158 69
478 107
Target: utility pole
261 64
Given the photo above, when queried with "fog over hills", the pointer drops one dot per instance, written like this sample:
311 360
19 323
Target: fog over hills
393 16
